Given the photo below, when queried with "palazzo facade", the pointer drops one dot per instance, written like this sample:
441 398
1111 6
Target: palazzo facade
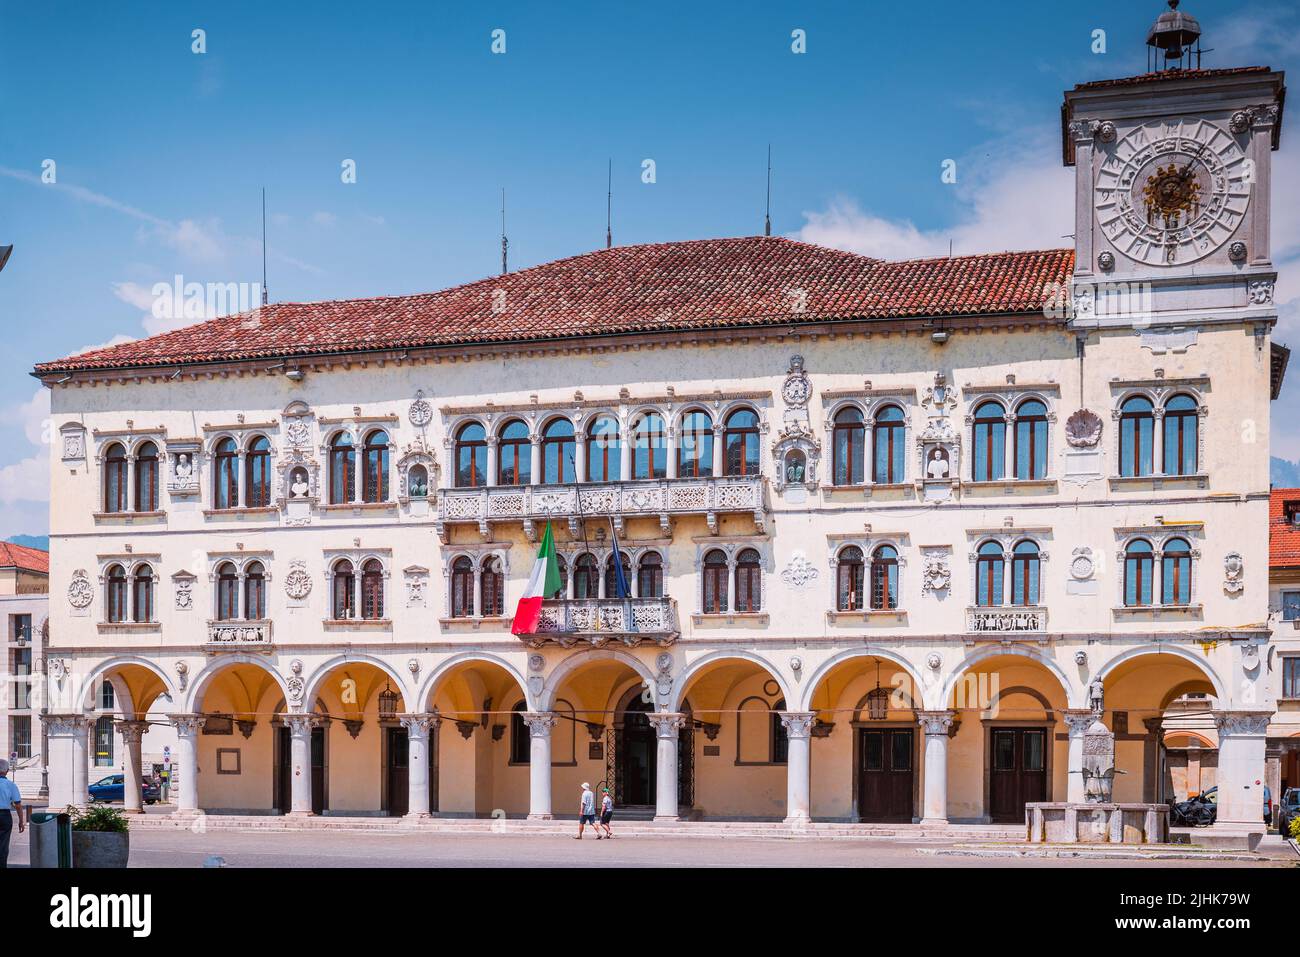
894 532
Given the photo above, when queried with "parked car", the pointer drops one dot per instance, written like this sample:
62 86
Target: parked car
113 788
1212 795
1288 810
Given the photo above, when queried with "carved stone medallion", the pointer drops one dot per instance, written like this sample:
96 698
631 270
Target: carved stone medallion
1083 429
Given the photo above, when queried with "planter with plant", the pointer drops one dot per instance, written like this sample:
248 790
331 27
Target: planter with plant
100 837
1294 839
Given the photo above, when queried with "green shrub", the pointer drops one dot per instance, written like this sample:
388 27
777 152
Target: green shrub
1295 828
98 817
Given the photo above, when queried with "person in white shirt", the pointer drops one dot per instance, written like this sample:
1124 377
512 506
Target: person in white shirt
587 812
9 798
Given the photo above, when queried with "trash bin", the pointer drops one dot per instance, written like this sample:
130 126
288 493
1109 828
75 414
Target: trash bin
50 840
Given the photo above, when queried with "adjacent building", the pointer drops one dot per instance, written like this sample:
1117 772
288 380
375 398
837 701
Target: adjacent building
1284 656
24 615
893 533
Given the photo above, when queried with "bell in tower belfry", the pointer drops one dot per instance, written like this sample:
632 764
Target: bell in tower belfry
1172 189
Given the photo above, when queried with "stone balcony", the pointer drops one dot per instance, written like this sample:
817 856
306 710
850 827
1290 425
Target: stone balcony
534 505
599 621
238 635
1005 622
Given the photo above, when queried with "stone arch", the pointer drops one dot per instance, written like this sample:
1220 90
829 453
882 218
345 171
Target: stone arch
203 679
1165 649
684 679
429 689
322 672
1072 694
575 661
868 651
121 691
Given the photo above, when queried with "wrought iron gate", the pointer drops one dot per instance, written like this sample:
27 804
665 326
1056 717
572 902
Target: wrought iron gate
613 740
686 766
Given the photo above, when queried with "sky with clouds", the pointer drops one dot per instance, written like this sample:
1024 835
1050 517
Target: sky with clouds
160 153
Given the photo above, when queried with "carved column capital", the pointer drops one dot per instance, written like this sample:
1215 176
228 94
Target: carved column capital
187 725
299 724
666 723
1241 723
935 722
798 724
131 731
418 724
66 725
539 723
1078 720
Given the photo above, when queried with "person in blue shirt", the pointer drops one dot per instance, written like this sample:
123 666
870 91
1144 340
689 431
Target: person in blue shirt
9 798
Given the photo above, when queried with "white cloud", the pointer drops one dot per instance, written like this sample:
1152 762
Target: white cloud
29 480
323 218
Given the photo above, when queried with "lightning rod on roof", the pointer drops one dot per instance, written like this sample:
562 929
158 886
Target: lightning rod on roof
264 245
609 205
505 243
767 215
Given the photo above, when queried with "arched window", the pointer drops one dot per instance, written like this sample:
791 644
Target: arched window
740 443
1024 574
1031 440
344 589
417 482
563 566
372 590
1176 573
586 577
611 579
227 592
1136 426
850 437
471 456
715 582
374 482
255 592
225 475
650 576
603 450
695 447
849 573
649 447
749 581
520 741
514 454
115 481
257 473
1181 422
1139 569
146 478
462 588
884 578
557 452
343 469
142 594
990 435
117 605
989 566
491 587
888 446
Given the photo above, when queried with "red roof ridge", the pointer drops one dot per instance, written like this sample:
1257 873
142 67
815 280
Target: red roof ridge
25 557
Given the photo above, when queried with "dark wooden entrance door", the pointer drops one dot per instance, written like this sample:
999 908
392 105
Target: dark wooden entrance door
1017 772
886 774
398 751
637 757
284 771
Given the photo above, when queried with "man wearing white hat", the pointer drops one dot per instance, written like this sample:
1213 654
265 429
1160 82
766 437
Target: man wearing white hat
587 811
9 798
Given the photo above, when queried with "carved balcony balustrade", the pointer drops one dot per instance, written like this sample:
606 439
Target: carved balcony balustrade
598 621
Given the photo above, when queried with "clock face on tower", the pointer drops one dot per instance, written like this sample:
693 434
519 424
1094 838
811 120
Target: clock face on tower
1172 192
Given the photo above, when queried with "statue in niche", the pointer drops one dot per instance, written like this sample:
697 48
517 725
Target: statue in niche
299 488
184 468
419 482
937 467
794 468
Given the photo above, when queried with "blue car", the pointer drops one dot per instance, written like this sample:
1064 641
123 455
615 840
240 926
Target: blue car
113 788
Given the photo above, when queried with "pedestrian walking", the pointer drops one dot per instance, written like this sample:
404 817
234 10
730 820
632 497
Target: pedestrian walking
10 798
606 812
587 811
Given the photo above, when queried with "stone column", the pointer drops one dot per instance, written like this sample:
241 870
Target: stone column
625 458
798 729
718 461
1241 774
417 764
935 724
187 756
68 754
132 764
300 727
580 454
670 441
535 452
666 725
539 724
1077 720
492 472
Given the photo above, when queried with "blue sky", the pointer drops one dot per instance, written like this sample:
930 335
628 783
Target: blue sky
161 153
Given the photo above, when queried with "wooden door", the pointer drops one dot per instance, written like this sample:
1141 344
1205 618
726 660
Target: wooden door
886 774
399 775
1017 772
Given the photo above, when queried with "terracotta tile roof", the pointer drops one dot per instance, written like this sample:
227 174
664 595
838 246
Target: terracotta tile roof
1166 76
681 286
27 559
1283 534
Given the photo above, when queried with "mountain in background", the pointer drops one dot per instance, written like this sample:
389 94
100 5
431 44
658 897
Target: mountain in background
38 541
1283 474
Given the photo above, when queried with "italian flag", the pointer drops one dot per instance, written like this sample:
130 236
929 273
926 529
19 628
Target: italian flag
545 580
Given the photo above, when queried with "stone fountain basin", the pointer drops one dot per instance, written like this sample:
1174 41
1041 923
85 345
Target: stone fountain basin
1087 823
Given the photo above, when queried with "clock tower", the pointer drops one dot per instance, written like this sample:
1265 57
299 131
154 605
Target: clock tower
1172 187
